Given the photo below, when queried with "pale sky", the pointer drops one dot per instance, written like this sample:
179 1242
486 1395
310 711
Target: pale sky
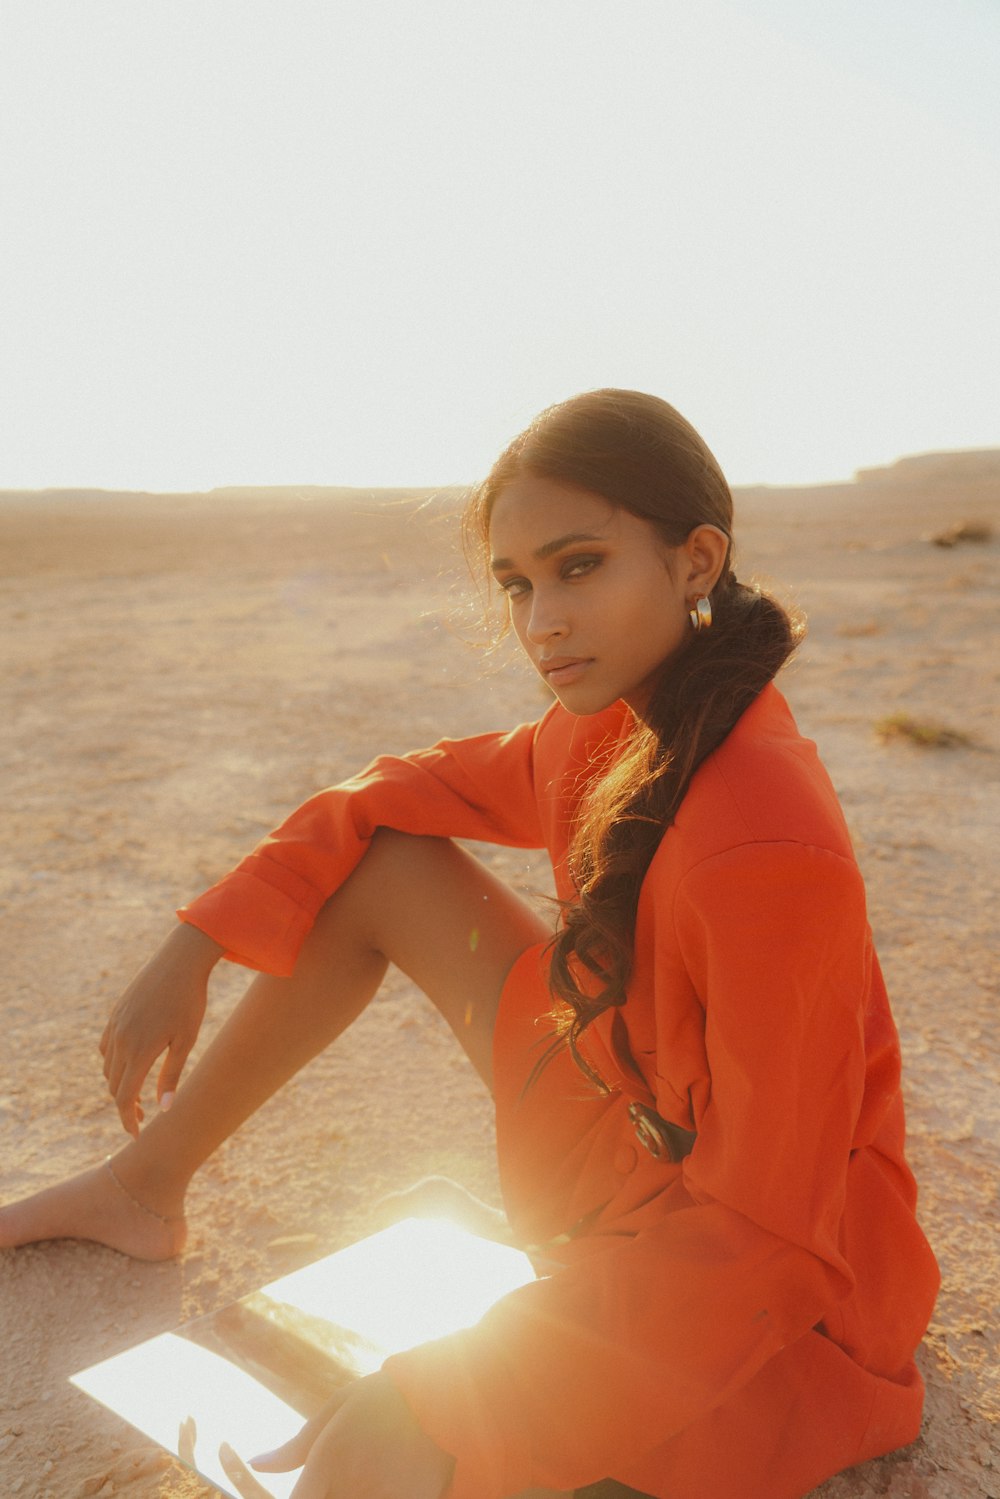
316 242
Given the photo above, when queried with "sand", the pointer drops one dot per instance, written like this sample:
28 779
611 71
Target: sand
180 671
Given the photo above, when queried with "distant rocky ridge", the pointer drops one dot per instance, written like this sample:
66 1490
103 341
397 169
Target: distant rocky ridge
965 467
259 494
970 466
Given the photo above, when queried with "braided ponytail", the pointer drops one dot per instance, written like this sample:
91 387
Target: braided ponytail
693 707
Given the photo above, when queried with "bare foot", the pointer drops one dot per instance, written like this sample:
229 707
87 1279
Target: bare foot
96 1205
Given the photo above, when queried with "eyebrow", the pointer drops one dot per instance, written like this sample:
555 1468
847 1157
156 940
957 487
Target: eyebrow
547 549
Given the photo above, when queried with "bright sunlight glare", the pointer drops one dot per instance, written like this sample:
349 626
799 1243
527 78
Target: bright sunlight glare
418 1280
432 1278
192 1402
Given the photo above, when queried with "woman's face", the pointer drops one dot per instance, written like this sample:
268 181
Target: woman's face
597 599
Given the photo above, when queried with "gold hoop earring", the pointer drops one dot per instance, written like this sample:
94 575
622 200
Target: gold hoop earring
701 615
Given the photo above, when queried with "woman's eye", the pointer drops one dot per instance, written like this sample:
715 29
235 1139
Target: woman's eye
514 587
578 567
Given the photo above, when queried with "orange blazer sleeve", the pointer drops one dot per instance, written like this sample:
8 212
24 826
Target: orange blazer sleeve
576 1376
481 788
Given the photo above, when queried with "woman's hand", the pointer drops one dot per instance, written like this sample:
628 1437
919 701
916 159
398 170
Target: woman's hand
160 1011
365 1443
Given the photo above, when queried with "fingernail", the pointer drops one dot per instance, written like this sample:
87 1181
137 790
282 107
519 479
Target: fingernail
262 1457
166 1101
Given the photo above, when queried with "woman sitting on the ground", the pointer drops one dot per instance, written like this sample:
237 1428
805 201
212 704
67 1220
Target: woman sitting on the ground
696 1077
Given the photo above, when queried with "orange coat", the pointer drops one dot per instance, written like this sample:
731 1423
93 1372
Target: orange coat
741 1322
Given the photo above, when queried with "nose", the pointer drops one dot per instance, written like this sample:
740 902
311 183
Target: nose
545 621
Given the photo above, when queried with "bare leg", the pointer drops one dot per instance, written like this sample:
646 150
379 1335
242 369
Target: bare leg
421 903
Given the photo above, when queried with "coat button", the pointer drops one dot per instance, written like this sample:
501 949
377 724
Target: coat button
625 1159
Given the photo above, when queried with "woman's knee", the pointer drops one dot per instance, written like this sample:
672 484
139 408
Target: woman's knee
429 902
398 865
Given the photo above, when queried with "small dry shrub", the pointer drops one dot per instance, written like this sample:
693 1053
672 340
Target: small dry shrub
923 732
963 530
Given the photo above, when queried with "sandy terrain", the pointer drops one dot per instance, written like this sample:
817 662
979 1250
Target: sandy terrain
181 671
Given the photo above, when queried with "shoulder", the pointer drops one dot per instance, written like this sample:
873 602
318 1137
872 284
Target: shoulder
765 784
757 874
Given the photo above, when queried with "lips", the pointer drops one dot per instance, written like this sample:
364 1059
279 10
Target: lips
560 671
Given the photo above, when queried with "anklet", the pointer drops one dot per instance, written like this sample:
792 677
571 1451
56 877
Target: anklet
134 1200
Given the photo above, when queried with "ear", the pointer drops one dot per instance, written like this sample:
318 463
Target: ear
703 556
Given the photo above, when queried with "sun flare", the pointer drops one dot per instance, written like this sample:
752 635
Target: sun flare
211 1397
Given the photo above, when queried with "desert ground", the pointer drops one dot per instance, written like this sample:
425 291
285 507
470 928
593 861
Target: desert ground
180 671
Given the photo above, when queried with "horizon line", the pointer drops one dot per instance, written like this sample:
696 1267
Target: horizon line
933 457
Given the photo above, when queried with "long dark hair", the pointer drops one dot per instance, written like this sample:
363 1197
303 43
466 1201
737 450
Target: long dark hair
639 453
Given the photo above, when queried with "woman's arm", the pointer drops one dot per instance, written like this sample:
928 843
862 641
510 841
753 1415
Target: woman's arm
261 912
479 788
366 1440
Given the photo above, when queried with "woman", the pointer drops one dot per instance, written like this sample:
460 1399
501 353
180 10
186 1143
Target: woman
696 1078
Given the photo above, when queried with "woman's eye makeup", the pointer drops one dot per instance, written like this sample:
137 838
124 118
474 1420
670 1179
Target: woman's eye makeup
570 568
578 567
